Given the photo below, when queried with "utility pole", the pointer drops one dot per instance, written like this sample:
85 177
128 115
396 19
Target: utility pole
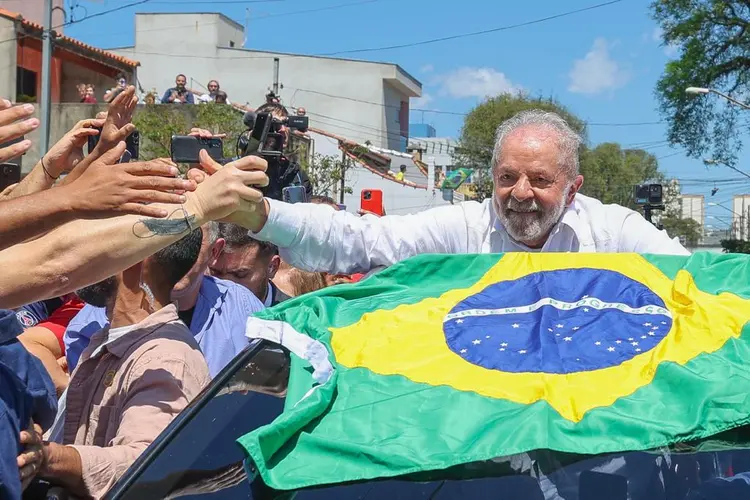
247 27
46 99
276 76
343 176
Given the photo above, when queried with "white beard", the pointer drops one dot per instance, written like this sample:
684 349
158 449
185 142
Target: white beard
531 226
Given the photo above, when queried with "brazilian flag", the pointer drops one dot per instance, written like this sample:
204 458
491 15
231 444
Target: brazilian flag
443 360
455 178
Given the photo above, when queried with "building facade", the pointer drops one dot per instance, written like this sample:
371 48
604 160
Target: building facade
367 101
693 206
741 216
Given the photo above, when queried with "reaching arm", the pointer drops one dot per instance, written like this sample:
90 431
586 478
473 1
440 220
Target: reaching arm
316 238
83 252
104 189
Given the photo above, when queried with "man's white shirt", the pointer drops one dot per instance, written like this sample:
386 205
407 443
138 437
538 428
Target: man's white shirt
317 238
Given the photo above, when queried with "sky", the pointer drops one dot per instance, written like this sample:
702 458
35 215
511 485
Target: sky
602 64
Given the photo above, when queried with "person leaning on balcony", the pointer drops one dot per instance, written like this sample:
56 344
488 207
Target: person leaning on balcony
178 94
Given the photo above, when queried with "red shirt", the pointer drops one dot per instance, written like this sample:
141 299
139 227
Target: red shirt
58 320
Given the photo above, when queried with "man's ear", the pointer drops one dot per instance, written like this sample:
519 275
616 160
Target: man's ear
273 266
216 250
577 183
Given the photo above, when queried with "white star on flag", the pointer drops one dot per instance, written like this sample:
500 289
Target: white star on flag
515 325
504 344
646 324
550 330
643 336
575 328
655 328
597 343
663 322
487 337
634 343
559 325
611 349
459 321
476 342
618 341
630 339
638 350
568 339
585 309
585 296
463 351
651 333
501 349
522 351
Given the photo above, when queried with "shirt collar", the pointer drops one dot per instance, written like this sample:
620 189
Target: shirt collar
121 345
269 295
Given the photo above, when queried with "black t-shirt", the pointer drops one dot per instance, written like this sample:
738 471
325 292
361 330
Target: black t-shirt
186 316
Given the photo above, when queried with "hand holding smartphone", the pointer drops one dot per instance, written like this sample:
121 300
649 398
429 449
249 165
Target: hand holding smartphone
187 148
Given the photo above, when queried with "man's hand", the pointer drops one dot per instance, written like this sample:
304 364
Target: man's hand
225 193
11 128
117 126
68 151
106 187
8 190
31 460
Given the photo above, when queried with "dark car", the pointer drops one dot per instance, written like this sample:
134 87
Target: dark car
197 457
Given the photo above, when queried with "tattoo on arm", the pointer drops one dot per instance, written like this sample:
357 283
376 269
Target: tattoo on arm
147 228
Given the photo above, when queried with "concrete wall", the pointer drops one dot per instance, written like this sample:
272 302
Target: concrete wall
33 10
192 44
8 53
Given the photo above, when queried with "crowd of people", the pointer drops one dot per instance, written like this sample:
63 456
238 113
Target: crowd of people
179 94
126 287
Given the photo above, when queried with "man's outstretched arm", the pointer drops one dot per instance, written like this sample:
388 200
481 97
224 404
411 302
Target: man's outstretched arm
83 252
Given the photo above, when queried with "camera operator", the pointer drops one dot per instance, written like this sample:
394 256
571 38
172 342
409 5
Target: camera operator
178 94
279 112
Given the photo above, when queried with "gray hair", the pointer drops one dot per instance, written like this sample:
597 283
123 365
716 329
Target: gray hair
568 140
213 231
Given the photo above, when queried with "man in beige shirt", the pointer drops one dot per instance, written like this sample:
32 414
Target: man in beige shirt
132 379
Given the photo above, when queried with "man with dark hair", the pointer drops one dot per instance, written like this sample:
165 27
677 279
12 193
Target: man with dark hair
320 199
135 376
249 262
215 310
179 93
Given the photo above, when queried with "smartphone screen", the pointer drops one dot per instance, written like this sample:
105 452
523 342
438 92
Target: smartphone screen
10 173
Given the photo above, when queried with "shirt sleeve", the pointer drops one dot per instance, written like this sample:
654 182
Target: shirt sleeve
160 386
319 239
165 99
640 236
190 99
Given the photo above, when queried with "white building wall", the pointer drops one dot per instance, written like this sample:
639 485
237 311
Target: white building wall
8 52
397 198
693 207
741 216
197 46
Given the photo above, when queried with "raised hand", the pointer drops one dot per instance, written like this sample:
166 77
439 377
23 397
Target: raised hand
106 188
12 128
117 126
68 151
228 192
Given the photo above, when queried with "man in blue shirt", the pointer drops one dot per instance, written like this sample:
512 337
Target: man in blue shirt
26 394
215 310
178 94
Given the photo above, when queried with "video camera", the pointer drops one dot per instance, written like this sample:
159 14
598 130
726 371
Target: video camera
264 138
650 197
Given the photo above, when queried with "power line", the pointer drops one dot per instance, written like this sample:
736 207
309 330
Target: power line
476 33
103 13
183 2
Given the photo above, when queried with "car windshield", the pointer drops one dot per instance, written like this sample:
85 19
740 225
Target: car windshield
197 457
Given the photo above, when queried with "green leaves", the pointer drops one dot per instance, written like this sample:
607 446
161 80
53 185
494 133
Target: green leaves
714 43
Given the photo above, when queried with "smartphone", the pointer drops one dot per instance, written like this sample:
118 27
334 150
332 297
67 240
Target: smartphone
371 200
132 145
186 148
294 194
10 173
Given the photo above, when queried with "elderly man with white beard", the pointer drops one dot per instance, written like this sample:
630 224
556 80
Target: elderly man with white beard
535 207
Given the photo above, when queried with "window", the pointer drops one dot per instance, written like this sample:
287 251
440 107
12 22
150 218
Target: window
25 85
231 44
